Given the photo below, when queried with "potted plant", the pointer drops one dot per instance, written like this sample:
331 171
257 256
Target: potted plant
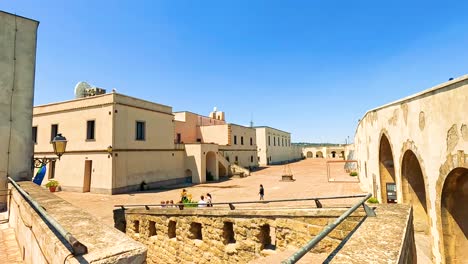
52 185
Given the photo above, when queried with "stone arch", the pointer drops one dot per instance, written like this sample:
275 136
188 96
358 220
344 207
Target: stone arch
310 154
454 169
319 154
386 166
333 153
211 163
454 216
414 191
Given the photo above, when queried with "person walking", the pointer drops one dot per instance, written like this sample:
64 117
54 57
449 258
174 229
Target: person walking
261 192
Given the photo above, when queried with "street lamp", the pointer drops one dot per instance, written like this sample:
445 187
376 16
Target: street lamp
59 143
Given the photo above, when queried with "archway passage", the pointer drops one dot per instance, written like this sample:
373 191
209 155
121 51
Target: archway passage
455 216
387 171
333 154
211 170
310 154
414 191
319 154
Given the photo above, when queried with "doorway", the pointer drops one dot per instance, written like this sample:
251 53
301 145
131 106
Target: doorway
87 175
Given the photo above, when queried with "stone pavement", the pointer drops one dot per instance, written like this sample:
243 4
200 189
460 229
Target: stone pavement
9 249
310 181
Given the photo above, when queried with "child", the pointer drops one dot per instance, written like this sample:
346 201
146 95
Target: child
261 192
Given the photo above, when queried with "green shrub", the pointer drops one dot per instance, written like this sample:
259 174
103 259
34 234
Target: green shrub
52 183
353 173
189 203
373 200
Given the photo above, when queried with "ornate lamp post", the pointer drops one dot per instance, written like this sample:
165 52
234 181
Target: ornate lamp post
60 144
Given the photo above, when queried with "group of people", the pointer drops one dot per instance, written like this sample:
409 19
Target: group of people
168 203
185 197
207 201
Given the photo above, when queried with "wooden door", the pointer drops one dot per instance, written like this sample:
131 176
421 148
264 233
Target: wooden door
87 175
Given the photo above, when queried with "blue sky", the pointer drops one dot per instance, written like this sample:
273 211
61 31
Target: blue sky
309 67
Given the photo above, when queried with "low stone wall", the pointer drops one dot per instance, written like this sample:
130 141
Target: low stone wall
386 238
202 235
40 244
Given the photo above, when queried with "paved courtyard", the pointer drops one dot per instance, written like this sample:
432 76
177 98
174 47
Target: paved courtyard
310 181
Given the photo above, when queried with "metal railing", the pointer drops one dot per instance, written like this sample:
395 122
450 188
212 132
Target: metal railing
181 206
312 243
76 246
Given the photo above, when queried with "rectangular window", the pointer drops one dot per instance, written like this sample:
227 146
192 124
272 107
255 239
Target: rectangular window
269 141
274 141
51 169
251 142
34 134
140 130
90 126
179 138
53 131
242 140
235 140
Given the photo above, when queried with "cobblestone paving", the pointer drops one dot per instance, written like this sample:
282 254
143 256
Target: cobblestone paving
9 249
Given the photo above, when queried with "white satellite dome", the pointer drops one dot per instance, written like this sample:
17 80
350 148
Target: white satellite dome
80 89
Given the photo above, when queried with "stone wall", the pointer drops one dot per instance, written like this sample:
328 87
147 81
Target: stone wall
17 69
201 235
39 243
420 143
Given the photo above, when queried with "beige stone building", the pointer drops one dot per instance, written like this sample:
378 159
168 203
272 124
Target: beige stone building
17 69
237 145
330 152
274 146
415 151
118 143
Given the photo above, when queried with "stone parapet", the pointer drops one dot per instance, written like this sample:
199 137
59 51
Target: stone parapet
386 238
41 244
215 235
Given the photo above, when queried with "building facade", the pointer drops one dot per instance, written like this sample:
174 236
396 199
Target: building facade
274 146
328 152
415 151
236 144
117 144
18 37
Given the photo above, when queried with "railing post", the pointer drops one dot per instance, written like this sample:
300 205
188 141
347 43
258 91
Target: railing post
318 203
369 211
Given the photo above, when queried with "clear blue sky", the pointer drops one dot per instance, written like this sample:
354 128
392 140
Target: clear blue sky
309 67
